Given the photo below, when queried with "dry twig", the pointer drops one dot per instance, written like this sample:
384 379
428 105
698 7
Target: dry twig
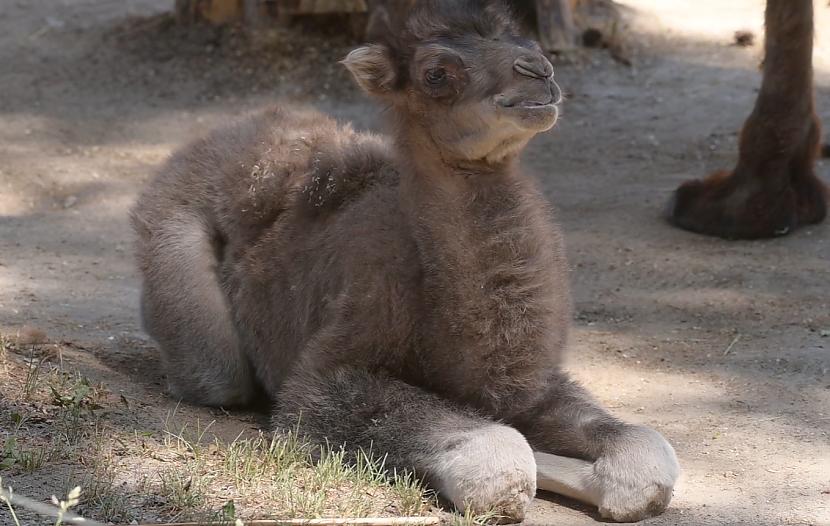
729 347
367 521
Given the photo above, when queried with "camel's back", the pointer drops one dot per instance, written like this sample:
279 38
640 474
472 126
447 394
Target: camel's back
240 179
304 163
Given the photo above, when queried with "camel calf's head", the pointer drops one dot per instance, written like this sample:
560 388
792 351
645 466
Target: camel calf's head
460 76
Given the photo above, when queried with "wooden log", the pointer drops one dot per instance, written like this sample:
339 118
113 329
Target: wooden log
321 7
212 11
253 12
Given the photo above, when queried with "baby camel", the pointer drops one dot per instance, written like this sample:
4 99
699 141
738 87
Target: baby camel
408 296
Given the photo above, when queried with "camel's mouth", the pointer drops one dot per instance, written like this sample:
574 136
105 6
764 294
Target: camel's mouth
525 104
532 114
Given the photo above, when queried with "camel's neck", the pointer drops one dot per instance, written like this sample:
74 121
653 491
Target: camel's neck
481 214
476 223
494 275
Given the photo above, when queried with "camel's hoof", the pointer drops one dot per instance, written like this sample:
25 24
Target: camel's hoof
490 470
637 475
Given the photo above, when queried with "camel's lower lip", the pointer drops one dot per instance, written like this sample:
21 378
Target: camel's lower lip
532 117
530 107
527 112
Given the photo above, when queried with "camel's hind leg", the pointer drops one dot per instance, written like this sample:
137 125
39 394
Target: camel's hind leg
185 310
476 463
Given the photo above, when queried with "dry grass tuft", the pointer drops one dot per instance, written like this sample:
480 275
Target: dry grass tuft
59 423
60 426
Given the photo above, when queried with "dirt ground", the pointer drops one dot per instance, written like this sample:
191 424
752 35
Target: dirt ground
722 346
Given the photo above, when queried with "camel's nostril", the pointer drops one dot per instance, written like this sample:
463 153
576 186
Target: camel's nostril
533 66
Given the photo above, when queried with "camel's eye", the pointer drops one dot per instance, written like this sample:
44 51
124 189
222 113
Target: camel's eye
436 77
442 75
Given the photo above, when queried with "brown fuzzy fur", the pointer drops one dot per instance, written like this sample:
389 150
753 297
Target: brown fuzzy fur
403 295
773 189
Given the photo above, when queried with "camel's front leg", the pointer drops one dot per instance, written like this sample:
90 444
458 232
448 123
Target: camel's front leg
472 461
627 471
568 476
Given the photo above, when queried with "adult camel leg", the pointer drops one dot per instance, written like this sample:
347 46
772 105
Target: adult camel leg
773 188
474 462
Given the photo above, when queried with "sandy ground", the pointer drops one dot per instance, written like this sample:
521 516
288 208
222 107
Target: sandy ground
722 346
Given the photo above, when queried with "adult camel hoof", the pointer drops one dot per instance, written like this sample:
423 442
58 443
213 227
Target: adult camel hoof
732 207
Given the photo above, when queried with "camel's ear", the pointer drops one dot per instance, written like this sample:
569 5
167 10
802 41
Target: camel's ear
372 68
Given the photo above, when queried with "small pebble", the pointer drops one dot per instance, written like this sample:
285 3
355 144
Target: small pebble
744 38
